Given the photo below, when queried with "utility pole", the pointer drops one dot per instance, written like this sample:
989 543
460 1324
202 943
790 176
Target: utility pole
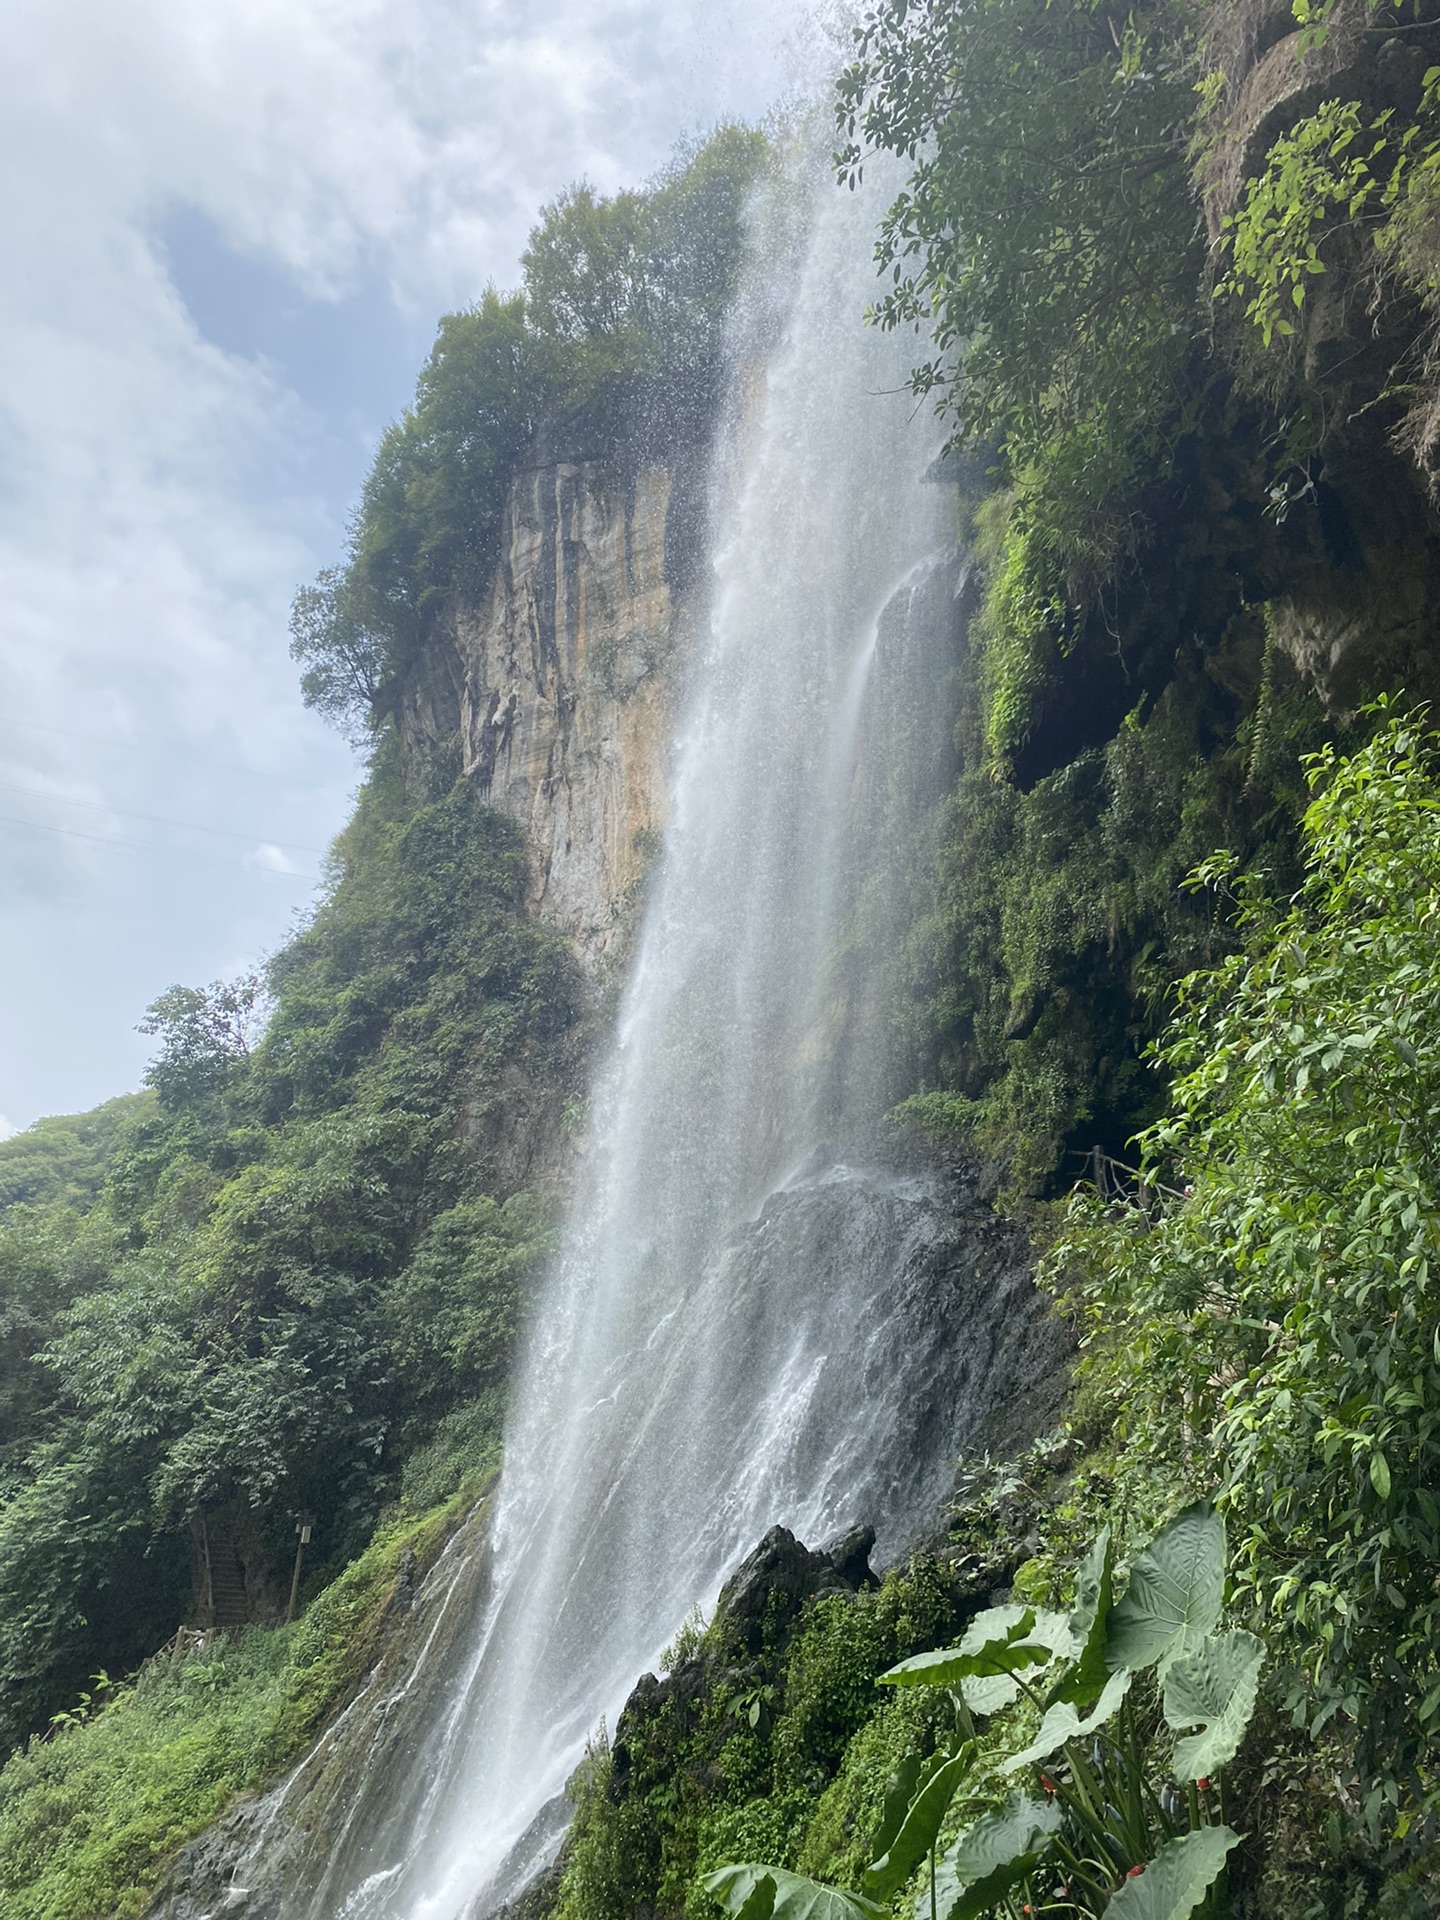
303 1523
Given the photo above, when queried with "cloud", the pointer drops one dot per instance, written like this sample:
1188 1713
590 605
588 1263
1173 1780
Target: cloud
272 859
229 233
7 1132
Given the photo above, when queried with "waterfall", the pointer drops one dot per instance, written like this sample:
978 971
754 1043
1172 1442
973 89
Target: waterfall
748 1323
664 1417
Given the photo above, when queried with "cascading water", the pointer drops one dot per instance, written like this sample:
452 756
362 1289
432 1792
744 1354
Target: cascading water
737 1333
664 1418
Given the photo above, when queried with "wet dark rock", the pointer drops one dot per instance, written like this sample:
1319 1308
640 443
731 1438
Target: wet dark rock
204 1881
538 1900
764 1595
404 1597
849 1554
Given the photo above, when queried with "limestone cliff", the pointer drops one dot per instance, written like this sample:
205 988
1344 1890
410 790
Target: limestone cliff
560 680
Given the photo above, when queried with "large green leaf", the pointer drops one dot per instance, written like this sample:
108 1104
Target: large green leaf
919 1827
988 1693
1062 1722
770 1893
1213 1688
1177 1879
899 1792
999 1641
1089 1623
1176 1590
992 1856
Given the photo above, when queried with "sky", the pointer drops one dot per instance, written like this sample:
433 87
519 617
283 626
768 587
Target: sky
229 227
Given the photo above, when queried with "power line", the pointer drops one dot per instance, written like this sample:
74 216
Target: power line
140 846
128 746
155 819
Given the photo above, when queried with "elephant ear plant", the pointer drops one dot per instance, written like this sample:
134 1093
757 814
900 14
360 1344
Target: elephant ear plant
1121 1810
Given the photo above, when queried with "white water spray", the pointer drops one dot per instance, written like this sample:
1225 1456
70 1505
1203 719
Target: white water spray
730 1339
665 1417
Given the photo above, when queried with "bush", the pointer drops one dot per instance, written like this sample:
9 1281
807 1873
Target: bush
1283 1321
90 1816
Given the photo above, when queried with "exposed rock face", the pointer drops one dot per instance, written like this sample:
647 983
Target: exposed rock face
561 680
1351 579
566 702
1270 84
770 1586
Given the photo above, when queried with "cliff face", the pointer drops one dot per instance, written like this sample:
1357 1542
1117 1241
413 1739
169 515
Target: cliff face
561 679
1352 578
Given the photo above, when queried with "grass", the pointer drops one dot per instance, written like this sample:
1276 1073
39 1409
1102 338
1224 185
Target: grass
90 1817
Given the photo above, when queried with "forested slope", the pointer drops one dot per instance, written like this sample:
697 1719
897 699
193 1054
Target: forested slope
283 1284
1181 277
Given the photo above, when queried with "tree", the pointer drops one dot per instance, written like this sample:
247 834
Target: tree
1282 1328
1046 244
343 659
205 1033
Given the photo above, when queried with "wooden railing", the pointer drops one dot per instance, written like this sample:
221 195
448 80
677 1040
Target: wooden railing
1112 1179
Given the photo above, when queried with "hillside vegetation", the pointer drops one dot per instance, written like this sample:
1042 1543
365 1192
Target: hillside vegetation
1178 274
1208 532
285 1281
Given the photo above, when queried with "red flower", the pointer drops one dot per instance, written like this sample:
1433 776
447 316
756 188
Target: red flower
1047 1783
1204 1785
1133 1871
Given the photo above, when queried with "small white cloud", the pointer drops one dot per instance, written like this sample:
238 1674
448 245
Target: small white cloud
6 1130
268 858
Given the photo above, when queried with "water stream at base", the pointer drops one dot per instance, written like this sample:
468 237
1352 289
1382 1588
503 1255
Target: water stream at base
730 1338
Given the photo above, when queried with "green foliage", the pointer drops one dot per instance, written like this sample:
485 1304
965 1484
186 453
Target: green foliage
616 329
49 1257
1000 1851
307 1268
90 1815
342 661
205 1035
1030 264
770 1893
1102 1819
66 1157
920 1823
1285 1331
692 1783
1173 1598
998 1644
465 1443
1058 295
644 279
1177 1879
1213 1688
1060 925
451 1317
1323 169
1341 172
